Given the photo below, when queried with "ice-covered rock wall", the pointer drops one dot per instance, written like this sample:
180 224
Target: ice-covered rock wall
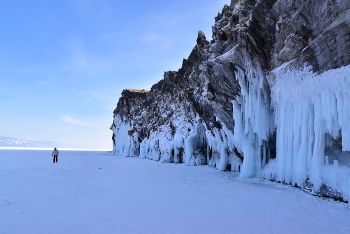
266 97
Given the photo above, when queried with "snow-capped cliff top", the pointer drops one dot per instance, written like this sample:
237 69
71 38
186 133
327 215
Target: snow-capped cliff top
138 90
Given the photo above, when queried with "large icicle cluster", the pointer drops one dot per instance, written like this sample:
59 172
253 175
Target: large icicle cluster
253 119
310 110
125 141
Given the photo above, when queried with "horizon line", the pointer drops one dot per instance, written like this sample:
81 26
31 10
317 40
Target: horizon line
51 148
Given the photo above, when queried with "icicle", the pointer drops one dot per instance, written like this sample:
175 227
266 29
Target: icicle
253 119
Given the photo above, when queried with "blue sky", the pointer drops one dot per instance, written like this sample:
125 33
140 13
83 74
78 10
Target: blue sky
64 63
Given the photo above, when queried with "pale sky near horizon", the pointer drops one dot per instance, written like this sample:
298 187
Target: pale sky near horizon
64 63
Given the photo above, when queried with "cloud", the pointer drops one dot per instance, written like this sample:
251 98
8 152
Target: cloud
80 61
71 120
152 37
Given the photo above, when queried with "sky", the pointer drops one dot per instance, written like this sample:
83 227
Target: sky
64 63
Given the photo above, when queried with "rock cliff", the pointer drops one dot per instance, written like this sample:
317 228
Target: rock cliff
267 97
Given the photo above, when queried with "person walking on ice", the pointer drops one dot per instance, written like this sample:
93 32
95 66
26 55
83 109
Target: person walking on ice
55 155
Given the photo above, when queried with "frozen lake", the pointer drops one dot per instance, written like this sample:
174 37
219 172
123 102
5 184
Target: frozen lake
96 192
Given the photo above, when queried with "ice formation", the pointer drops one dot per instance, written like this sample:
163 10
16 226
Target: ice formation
305 109
310 111
253 120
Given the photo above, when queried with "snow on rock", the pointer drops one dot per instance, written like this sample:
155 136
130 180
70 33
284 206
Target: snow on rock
126 143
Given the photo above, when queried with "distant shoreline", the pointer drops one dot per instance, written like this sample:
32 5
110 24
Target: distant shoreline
45 148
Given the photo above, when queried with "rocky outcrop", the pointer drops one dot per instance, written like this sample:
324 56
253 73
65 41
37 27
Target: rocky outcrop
227 105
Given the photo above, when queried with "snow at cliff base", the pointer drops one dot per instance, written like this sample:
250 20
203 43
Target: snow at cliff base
97 192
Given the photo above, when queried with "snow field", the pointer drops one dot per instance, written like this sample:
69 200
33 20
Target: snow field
97 192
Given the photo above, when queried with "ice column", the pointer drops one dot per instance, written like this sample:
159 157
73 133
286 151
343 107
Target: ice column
253 119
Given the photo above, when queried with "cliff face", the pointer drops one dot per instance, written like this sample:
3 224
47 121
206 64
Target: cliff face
264 97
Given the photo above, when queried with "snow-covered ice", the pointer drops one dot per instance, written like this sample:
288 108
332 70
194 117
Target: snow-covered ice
97 192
